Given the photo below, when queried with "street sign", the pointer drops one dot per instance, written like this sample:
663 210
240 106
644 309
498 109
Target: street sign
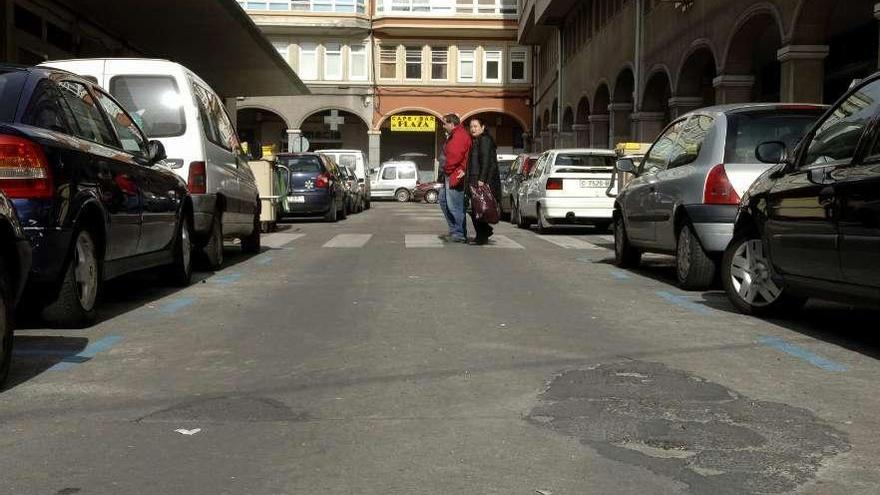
413 123
300 145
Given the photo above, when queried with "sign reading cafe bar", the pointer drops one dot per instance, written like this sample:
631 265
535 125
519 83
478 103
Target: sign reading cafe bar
413 123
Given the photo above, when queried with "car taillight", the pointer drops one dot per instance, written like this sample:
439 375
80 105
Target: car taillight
24 169
322 181
554 184
197 181
719 190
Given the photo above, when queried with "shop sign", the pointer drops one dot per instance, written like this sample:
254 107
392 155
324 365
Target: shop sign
413 123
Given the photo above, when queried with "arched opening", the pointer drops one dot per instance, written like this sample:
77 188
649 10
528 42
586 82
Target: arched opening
566 134
261 128
335 129
654 114
695 78
547 121
582 120
506 130
599 118
546 137
622 107
413 135
752 52
554 112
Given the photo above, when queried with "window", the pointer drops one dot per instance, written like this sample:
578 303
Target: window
439 64
215 121
407 173
282 46
690 143
333 61
578 160
658 157
492 65
466 65
308 61
302 164
413 62
838 136
390 173
153 101
46 109
348 160
518 65
388 62
203 101
129 135
358 63
746 130
90 124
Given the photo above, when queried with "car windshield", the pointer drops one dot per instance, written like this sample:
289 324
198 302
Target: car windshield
154 101
576 160
745 131
504 168
301 164
11 83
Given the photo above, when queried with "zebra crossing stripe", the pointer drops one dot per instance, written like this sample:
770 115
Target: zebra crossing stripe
348 241
567 242
423 241
279 239
502 242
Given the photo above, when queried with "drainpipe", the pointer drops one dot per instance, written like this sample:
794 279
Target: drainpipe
637 90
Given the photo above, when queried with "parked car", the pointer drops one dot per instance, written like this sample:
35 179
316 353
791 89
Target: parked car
176 107
394 179
15 263
684 196
315 186
510 185
810 225
91 190
353 158
354 199
567 187
428 192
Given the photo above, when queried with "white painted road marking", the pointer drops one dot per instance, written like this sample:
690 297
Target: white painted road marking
423 241
348 241
502 242
568 242
278 239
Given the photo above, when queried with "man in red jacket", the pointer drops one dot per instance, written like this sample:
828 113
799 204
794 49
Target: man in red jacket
457 150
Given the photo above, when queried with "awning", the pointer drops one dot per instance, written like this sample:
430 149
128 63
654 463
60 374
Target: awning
214 38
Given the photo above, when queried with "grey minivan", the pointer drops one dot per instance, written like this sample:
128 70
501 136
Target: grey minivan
684 196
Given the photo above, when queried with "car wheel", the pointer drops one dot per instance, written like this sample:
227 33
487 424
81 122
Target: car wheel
331 215
521 221
432 197
402 196
213 250
367 204
78 297
543 225
6 333
343 212
251 243
179 272
694 268
747 277
625 254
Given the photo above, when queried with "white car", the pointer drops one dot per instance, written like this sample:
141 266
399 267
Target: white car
179 109
394 179
354 159
567 187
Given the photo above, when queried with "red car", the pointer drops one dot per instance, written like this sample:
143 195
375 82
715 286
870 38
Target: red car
427 191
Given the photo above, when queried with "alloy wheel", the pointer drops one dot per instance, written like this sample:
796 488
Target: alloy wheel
86 270
751 276
185 244
683 260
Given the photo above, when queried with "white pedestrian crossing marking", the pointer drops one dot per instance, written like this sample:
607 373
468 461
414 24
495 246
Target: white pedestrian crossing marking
502 242
423 241
348 241
567 242
279 239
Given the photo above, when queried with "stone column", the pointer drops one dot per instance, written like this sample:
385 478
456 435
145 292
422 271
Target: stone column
620 124
803 73
546 139
374 155
582 135
733 89
599 131
648 125
553 138
680 105
294 137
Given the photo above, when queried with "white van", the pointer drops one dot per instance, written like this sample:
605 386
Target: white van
354 159
395 179
179 109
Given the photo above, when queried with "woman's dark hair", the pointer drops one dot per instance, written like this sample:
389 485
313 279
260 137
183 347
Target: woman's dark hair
452 119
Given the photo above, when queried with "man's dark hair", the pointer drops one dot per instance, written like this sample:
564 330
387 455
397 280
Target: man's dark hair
452 119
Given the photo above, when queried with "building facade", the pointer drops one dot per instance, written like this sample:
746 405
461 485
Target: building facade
619 70
367 62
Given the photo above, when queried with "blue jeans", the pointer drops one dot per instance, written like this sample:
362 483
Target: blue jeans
444 207
455 204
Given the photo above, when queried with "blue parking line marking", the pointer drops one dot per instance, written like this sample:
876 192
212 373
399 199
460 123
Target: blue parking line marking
177 305
264 261
227 278
619 275
86 354
801 353
684 303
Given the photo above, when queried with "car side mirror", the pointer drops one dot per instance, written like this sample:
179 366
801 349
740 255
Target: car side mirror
155 151
772 152
626 165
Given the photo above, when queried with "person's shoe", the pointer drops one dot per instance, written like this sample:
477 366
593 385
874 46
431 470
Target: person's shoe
445 237
456 238
480 241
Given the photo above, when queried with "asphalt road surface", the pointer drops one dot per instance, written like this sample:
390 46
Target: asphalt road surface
366 357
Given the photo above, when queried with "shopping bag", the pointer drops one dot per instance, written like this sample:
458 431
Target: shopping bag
483 203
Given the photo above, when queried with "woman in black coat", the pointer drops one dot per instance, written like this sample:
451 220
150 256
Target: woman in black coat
483 169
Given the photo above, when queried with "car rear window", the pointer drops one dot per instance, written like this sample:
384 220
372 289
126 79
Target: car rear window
573 160
302 164
746 130
11 83
348 160
504 168
154 101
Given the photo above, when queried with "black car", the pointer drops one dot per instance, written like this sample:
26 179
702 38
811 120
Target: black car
92 194
15 262
810 226
315 187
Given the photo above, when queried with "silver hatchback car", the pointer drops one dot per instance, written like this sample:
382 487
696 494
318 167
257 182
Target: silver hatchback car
684 196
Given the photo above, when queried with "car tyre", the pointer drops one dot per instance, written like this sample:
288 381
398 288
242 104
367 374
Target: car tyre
625 254
213 249
251 243
402 196
746 274
6 333
367 204
432 197
521 221
332 213
693 267
179 272
77 301
343 212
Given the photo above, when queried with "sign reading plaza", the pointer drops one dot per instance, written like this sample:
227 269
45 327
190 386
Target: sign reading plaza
413 123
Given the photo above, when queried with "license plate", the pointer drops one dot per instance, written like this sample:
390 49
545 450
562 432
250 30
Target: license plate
297 199
586 183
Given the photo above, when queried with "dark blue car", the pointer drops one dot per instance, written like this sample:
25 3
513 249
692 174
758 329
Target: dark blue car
315 186
15 261
94 198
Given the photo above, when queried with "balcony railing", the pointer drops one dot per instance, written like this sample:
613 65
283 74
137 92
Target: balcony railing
448 7
333 6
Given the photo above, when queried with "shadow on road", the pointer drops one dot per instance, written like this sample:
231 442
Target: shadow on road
34 355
